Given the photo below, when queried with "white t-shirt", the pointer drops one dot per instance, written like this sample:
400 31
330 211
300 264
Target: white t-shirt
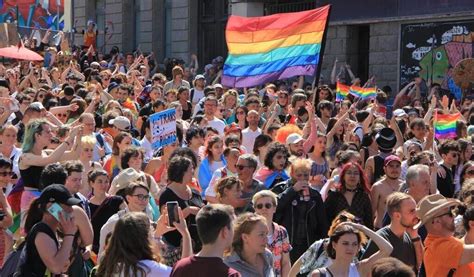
198 95
210 191
248 138
217 124
155 269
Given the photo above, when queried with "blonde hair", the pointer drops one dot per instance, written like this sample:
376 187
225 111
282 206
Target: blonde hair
8 126
265 193
88 141
300 163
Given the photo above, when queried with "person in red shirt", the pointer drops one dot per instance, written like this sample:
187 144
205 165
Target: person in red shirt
216 231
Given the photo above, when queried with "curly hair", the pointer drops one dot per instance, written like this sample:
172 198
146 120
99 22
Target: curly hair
273 149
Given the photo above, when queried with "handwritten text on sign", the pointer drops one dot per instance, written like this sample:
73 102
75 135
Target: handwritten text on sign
163 128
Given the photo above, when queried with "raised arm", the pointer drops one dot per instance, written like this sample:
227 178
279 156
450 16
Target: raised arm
333 72
385 248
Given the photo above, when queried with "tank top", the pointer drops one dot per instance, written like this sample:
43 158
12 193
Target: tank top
378 168
31 176
353 272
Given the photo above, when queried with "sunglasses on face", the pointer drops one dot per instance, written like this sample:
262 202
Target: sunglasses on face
470 172
241 167
451 213
266 205
343 218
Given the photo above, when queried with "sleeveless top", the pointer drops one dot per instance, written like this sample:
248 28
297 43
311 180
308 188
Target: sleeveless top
33 265
353 272
31 176
319 169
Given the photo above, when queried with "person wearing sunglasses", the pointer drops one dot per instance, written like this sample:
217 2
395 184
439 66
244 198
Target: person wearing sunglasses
265 203
300 208
444 254
449 151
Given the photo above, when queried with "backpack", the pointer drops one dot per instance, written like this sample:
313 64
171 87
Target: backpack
12 261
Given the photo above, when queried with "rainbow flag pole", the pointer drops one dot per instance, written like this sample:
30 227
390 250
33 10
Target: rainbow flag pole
279 46
445 125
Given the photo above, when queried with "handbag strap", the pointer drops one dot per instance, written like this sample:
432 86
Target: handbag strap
96 212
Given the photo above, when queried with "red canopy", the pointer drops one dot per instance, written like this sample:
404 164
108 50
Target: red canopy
21 53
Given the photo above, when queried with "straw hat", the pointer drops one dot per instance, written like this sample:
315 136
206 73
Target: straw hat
124 178
431 206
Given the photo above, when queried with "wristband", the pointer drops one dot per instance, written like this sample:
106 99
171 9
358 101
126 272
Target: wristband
416 239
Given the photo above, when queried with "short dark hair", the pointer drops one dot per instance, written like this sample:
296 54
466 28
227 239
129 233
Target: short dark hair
324 104
185 152
73 166
194 131
126 87
177 168
53 173
391 267
211 219
130 189
297 97
448 145
381 97
128 154
4 162
260 140
251 101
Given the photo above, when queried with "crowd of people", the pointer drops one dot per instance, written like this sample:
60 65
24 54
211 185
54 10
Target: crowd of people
277 180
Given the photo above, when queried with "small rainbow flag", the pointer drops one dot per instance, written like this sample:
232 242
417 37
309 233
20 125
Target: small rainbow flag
279 46
363 93
445 125
342 91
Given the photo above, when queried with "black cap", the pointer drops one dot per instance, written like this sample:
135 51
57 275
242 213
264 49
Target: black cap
59 194
386 139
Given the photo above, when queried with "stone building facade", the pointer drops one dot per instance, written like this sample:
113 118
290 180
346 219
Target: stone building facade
368 41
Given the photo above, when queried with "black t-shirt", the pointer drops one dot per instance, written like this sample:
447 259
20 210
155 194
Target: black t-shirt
403 248
187 113
110 206
146 110
33 265
446 184
174 237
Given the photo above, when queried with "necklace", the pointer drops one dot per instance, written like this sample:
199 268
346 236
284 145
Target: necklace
352 190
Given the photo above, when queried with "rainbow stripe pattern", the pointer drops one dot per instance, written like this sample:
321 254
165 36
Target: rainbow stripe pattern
445 125
363 93
342 91
267 48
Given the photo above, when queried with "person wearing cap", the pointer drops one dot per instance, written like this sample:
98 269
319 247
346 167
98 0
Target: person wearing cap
444 254
197 92
386 141
177 81
42 250
384 187
219 90
406 242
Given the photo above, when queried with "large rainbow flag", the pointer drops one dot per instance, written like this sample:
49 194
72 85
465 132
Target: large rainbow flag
267 48
445 125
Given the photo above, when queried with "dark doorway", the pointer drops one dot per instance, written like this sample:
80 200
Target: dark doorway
212 20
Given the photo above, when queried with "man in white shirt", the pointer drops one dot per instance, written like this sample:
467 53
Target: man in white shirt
210 107
252 131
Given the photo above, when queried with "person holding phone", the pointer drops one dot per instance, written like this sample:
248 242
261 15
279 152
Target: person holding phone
50 213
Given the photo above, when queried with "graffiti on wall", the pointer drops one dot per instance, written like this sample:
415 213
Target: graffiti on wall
431 50
42 14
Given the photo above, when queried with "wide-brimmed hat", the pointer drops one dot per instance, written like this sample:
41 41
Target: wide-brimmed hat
124 178
386 139
431 206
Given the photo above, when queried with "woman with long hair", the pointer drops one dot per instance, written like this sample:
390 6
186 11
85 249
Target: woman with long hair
34 158
265 203
250 255
183 99
465 153
335 136
260 148
320 165
137 257
112 163
101 204
352 194
344 244
241 116
228 191
214 159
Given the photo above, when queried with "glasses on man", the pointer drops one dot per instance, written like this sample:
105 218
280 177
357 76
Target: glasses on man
142 197
450 213
241 167
266 205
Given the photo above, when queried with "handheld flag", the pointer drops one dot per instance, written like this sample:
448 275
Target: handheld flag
267 48
445 125
363 93
341 91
